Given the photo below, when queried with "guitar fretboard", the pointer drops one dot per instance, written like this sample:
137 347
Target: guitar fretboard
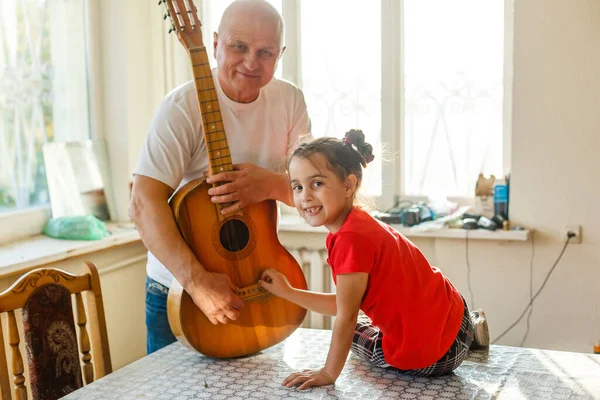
219 156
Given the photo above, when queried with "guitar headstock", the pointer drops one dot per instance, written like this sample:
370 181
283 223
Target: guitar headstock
184 21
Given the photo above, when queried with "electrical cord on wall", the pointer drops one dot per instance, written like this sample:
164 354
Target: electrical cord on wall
469 270
569 237
530 289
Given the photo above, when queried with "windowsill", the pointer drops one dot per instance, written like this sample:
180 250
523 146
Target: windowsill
30 222
40 250
291 223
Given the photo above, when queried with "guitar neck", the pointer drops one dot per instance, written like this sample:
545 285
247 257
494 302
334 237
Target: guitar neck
219 156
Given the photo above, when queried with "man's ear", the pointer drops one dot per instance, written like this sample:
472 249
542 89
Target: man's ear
215 41
350 184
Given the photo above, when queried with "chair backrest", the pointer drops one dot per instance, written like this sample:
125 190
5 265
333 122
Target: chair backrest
58 357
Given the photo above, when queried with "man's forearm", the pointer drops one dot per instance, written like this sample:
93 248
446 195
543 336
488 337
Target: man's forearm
161 237
282 191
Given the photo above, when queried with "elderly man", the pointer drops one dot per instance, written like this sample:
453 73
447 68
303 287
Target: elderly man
264 117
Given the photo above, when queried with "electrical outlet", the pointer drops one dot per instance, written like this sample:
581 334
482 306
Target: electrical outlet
576 229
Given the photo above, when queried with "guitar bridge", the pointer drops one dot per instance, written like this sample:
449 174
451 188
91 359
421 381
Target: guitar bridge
254 293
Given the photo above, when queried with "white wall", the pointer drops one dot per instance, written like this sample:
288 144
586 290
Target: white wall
556 137
130 80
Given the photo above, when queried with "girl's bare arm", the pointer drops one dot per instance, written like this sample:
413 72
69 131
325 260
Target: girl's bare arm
350 291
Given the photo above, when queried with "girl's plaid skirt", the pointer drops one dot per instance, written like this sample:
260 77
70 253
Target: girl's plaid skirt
367 340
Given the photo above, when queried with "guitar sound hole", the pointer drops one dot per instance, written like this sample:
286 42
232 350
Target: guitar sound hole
234 235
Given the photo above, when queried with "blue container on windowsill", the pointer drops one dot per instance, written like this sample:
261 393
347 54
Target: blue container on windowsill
501 194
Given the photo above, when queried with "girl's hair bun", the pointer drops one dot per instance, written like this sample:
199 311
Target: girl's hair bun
356 138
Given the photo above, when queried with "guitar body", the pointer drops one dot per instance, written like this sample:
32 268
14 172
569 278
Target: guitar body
242 246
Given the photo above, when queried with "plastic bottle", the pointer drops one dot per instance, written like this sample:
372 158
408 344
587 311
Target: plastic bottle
501 197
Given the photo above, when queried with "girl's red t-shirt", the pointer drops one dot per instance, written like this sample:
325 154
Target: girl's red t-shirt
415 306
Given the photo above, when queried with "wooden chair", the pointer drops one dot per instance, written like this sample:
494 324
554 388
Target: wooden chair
53 355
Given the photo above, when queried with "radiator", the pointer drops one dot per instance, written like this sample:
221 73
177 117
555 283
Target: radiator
318 278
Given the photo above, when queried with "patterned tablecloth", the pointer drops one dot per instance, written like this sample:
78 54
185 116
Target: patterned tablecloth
176 372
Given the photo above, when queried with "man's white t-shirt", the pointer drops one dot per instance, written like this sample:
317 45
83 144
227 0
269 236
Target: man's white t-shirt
263 133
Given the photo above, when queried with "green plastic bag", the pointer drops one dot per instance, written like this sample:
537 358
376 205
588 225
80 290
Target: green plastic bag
81 227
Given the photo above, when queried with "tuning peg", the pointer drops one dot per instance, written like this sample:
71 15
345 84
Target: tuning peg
172 29
165 16
159 2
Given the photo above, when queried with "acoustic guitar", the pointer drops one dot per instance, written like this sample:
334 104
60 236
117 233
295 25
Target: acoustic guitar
241 245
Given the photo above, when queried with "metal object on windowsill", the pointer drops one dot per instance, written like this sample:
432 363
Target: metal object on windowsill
409 215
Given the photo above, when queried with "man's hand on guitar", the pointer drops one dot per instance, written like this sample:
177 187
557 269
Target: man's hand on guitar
246 184
217 297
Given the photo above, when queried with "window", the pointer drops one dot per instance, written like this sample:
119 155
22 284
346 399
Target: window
43 92
453 94
423 79
341 73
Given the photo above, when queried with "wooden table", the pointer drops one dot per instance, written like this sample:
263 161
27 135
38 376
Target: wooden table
176 372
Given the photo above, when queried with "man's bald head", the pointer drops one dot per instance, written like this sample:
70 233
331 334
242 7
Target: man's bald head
247 47
259 11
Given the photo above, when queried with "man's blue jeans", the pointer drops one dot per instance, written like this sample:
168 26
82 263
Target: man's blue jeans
159 332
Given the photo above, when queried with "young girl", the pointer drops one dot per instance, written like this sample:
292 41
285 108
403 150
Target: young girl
419 323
